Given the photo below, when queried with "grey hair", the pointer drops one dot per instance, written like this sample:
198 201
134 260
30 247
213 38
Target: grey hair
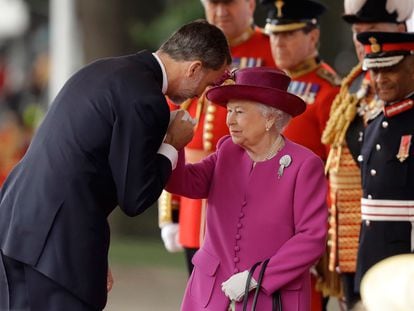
282 118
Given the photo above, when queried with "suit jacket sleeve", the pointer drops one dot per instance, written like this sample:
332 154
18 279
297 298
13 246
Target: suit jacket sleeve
139 172
192 180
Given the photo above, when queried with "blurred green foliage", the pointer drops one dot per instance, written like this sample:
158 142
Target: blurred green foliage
143 252
145 224
176 13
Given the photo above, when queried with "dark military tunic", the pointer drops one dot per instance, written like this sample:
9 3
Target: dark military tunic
387 169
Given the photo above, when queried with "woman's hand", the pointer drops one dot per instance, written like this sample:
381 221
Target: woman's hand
234 287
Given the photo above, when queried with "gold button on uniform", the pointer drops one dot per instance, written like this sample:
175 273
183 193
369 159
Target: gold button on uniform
211 108
210 117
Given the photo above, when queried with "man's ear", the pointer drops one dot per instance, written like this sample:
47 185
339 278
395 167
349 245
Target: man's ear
194 68
315 34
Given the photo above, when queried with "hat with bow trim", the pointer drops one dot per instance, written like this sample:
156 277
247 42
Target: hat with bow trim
264 85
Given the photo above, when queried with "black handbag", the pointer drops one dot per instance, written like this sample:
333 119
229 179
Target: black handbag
277 300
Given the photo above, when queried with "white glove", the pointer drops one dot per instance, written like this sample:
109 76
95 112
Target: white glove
169 235
185 117
234 287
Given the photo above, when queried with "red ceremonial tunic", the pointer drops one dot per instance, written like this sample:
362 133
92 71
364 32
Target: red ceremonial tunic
317 84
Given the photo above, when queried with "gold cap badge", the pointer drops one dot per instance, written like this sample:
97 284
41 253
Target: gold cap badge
279 4
375 47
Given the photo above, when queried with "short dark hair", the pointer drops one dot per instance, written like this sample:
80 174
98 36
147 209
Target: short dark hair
199 40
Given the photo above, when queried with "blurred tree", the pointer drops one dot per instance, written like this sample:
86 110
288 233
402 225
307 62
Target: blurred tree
176 13
336 38
105 25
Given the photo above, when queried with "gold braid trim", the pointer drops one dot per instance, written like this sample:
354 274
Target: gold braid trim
343 111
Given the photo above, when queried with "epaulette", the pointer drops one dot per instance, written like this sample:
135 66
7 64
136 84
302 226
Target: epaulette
329 76
261 30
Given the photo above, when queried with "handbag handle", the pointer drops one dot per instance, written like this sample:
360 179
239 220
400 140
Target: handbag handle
259 283
246 290
276 297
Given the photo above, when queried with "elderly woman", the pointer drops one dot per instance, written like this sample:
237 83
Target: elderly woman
266 200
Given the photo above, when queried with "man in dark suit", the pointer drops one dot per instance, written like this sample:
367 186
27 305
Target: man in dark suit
103 143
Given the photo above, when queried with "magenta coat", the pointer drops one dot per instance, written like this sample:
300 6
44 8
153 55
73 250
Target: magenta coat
253 215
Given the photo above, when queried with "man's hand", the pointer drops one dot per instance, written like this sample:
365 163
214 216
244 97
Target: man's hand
234 287
181 130
109 280
169 235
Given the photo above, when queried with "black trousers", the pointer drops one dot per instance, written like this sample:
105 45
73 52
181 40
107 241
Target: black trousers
351 296
189 253
24 289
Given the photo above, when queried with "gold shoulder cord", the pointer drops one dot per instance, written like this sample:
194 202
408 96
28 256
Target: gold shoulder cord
343 111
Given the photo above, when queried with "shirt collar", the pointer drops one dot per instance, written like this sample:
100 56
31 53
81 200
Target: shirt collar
164 74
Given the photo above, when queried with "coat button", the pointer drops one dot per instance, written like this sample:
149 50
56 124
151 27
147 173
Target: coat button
236 259
378 147
210 117
237 248
239 225
238 236
360 136
236 270
373 172
360 158
207 145
211 108
208 135
384 124
241 215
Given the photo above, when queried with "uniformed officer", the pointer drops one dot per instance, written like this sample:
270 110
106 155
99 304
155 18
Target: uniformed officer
293 27
181 219
387 153
294 33
344 134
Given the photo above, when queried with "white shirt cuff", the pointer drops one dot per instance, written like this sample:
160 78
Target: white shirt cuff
170 152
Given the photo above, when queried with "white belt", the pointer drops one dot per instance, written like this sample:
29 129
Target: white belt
389 210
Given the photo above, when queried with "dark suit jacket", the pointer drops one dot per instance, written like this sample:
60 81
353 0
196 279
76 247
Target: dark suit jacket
96 149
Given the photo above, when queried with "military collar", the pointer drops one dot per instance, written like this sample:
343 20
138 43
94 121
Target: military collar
246 35
305 67
397 107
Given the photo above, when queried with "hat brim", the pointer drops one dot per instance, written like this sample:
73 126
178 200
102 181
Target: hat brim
381 62
352 19
279 99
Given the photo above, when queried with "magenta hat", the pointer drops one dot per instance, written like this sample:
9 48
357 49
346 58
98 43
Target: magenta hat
260 84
